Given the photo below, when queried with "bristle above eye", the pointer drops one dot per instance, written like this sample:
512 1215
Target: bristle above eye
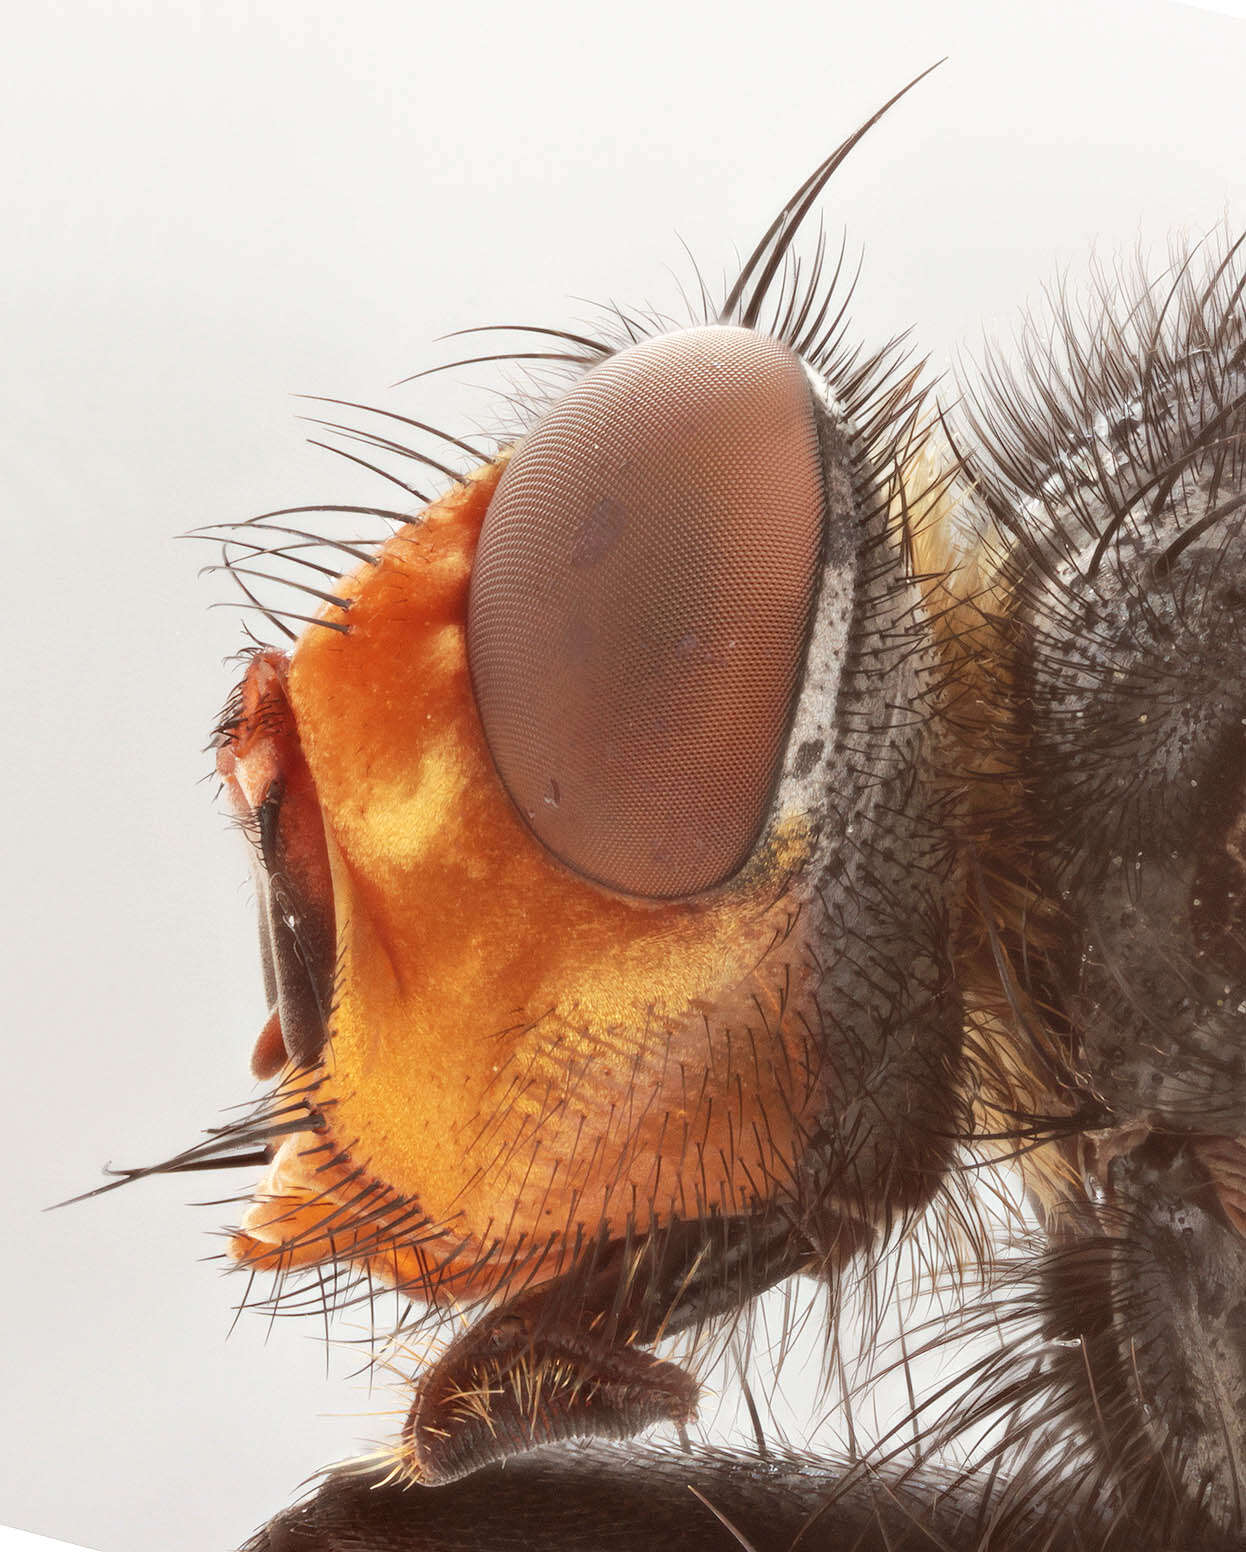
640 608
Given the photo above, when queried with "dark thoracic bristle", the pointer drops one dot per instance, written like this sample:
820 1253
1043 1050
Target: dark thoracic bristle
1099 429
1108 995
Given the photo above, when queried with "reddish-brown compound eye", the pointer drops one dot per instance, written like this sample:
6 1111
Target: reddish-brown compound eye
641 603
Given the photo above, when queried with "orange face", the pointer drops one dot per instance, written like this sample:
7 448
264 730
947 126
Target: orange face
521 1055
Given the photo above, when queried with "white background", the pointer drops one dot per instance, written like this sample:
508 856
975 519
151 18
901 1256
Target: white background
207 208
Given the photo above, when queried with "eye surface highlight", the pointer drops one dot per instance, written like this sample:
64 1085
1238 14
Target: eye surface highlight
641 603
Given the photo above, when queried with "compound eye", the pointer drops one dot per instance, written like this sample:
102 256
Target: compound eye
641 603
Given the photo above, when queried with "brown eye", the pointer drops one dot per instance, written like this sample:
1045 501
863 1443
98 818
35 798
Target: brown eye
641 603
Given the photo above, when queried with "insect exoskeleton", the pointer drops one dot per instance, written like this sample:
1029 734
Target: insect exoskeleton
608 890
1107 871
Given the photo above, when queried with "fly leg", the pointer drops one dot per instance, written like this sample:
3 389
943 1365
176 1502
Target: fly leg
567 1358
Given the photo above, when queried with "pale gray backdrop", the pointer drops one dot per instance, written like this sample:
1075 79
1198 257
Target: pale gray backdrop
209 207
